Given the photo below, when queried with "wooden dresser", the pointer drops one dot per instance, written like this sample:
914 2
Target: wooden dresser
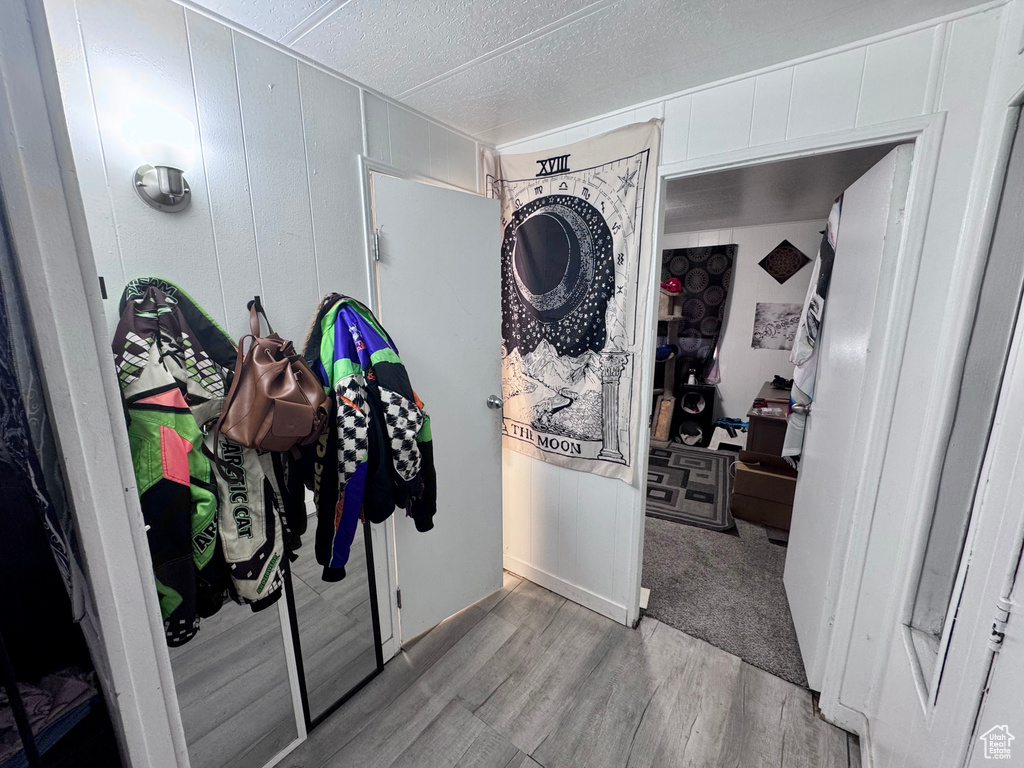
767 430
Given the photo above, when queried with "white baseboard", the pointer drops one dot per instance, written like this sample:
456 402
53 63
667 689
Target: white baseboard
586 598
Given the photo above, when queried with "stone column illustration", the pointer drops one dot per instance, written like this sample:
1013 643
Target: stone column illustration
612 365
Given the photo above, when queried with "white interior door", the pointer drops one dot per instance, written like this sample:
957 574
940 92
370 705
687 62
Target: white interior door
866 245
439 285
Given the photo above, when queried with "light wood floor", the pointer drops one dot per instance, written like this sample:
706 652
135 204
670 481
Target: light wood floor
526 679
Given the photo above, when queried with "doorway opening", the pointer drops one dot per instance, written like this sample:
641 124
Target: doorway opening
738 254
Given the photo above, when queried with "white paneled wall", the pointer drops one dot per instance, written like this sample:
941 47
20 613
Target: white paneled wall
892 77
276 189
771 107
562 136
564 530
276 202
720 118
942 66
268 92
745 369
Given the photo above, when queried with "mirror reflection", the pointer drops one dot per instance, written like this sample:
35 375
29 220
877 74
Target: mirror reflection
335 622
233 691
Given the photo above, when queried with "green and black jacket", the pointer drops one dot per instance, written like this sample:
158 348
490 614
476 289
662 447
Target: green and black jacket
212 531
380 449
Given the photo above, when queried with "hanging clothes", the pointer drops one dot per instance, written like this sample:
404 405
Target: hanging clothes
173 364
28 446
804 354
380 450
37 614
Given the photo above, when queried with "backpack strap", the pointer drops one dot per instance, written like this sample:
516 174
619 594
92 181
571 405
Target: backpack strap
255 310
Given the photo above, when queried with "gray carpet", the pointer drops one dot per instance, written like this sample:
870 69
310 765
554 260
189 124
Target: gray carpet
725 589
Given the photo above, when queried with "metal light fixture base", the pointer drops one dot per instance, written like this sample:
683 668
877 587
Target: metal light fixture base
147 185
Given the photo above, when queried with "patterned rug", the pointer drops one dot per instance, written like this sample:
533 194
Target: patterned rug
690 485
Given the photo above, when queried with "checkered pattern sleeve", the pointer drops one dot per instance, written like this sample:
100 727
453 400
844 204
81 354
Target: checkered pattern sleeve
409 433
396 457
352 429
404 419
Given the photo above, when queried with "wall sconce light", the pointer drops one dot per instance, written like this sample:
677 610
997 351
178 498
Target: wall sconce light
163 187
166 140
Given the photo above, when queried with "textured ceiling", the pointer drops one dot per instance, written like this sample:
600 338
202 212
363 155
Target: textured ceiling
792 190
505 69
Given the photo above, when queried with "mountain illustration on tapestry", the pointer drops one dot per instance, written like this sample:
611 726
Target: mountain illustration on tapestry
555 394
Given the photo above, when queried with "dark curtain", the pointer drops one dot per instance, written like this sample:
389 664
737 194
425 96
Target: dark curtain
705 274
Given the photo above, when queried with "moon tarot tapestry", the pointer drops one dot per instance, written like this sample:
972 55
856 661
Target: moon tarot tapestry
577 228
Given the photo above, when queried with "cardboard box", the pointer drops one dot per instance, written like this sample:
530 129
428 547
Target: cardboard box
763 490
762 483
771 461
762 511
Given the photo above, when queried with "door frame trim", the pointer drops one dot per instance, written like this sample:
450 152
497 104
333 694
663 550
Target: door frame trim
878 403
928 685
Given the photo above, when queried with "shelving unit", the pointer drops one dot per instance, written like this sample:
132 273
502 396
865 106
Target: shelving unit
668 378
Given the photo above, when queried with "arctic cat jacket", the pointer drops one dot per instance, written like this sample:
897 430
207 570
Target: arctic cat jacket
380 450
212 530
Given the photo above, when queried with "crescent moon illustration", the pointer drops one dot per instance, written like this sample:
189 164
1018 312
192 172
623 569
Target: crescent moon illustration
553 261
558 275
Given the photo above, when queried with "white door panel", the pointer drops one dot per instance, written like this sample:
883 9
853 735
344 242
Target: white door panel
866 246
439 287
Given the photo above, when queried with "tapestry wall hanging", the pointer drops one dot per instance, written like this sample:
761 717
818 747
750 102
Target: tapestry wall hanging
784 261
775 325
705 274
577 229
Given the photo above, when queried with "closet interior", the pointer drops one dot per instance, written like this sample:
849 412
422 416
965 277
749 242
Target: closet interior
52 707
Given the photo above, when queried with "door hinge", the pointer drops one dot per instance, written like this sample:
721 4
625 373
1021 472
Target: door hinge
995 640
398 596
376 244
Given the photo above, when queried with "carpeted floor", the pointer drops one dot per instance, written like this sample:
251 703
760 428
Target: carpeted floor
726 589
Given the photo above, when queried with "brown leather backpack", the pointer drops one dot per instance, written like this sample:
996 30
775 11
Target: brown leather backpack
275 402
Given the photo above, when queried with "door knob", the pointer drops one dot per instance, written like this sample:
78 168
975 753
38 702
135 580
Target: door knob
494 402
799 408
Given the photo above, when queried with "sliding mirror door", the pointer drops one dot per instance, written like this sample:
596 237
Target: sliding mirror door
338 635
240 707
236 700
